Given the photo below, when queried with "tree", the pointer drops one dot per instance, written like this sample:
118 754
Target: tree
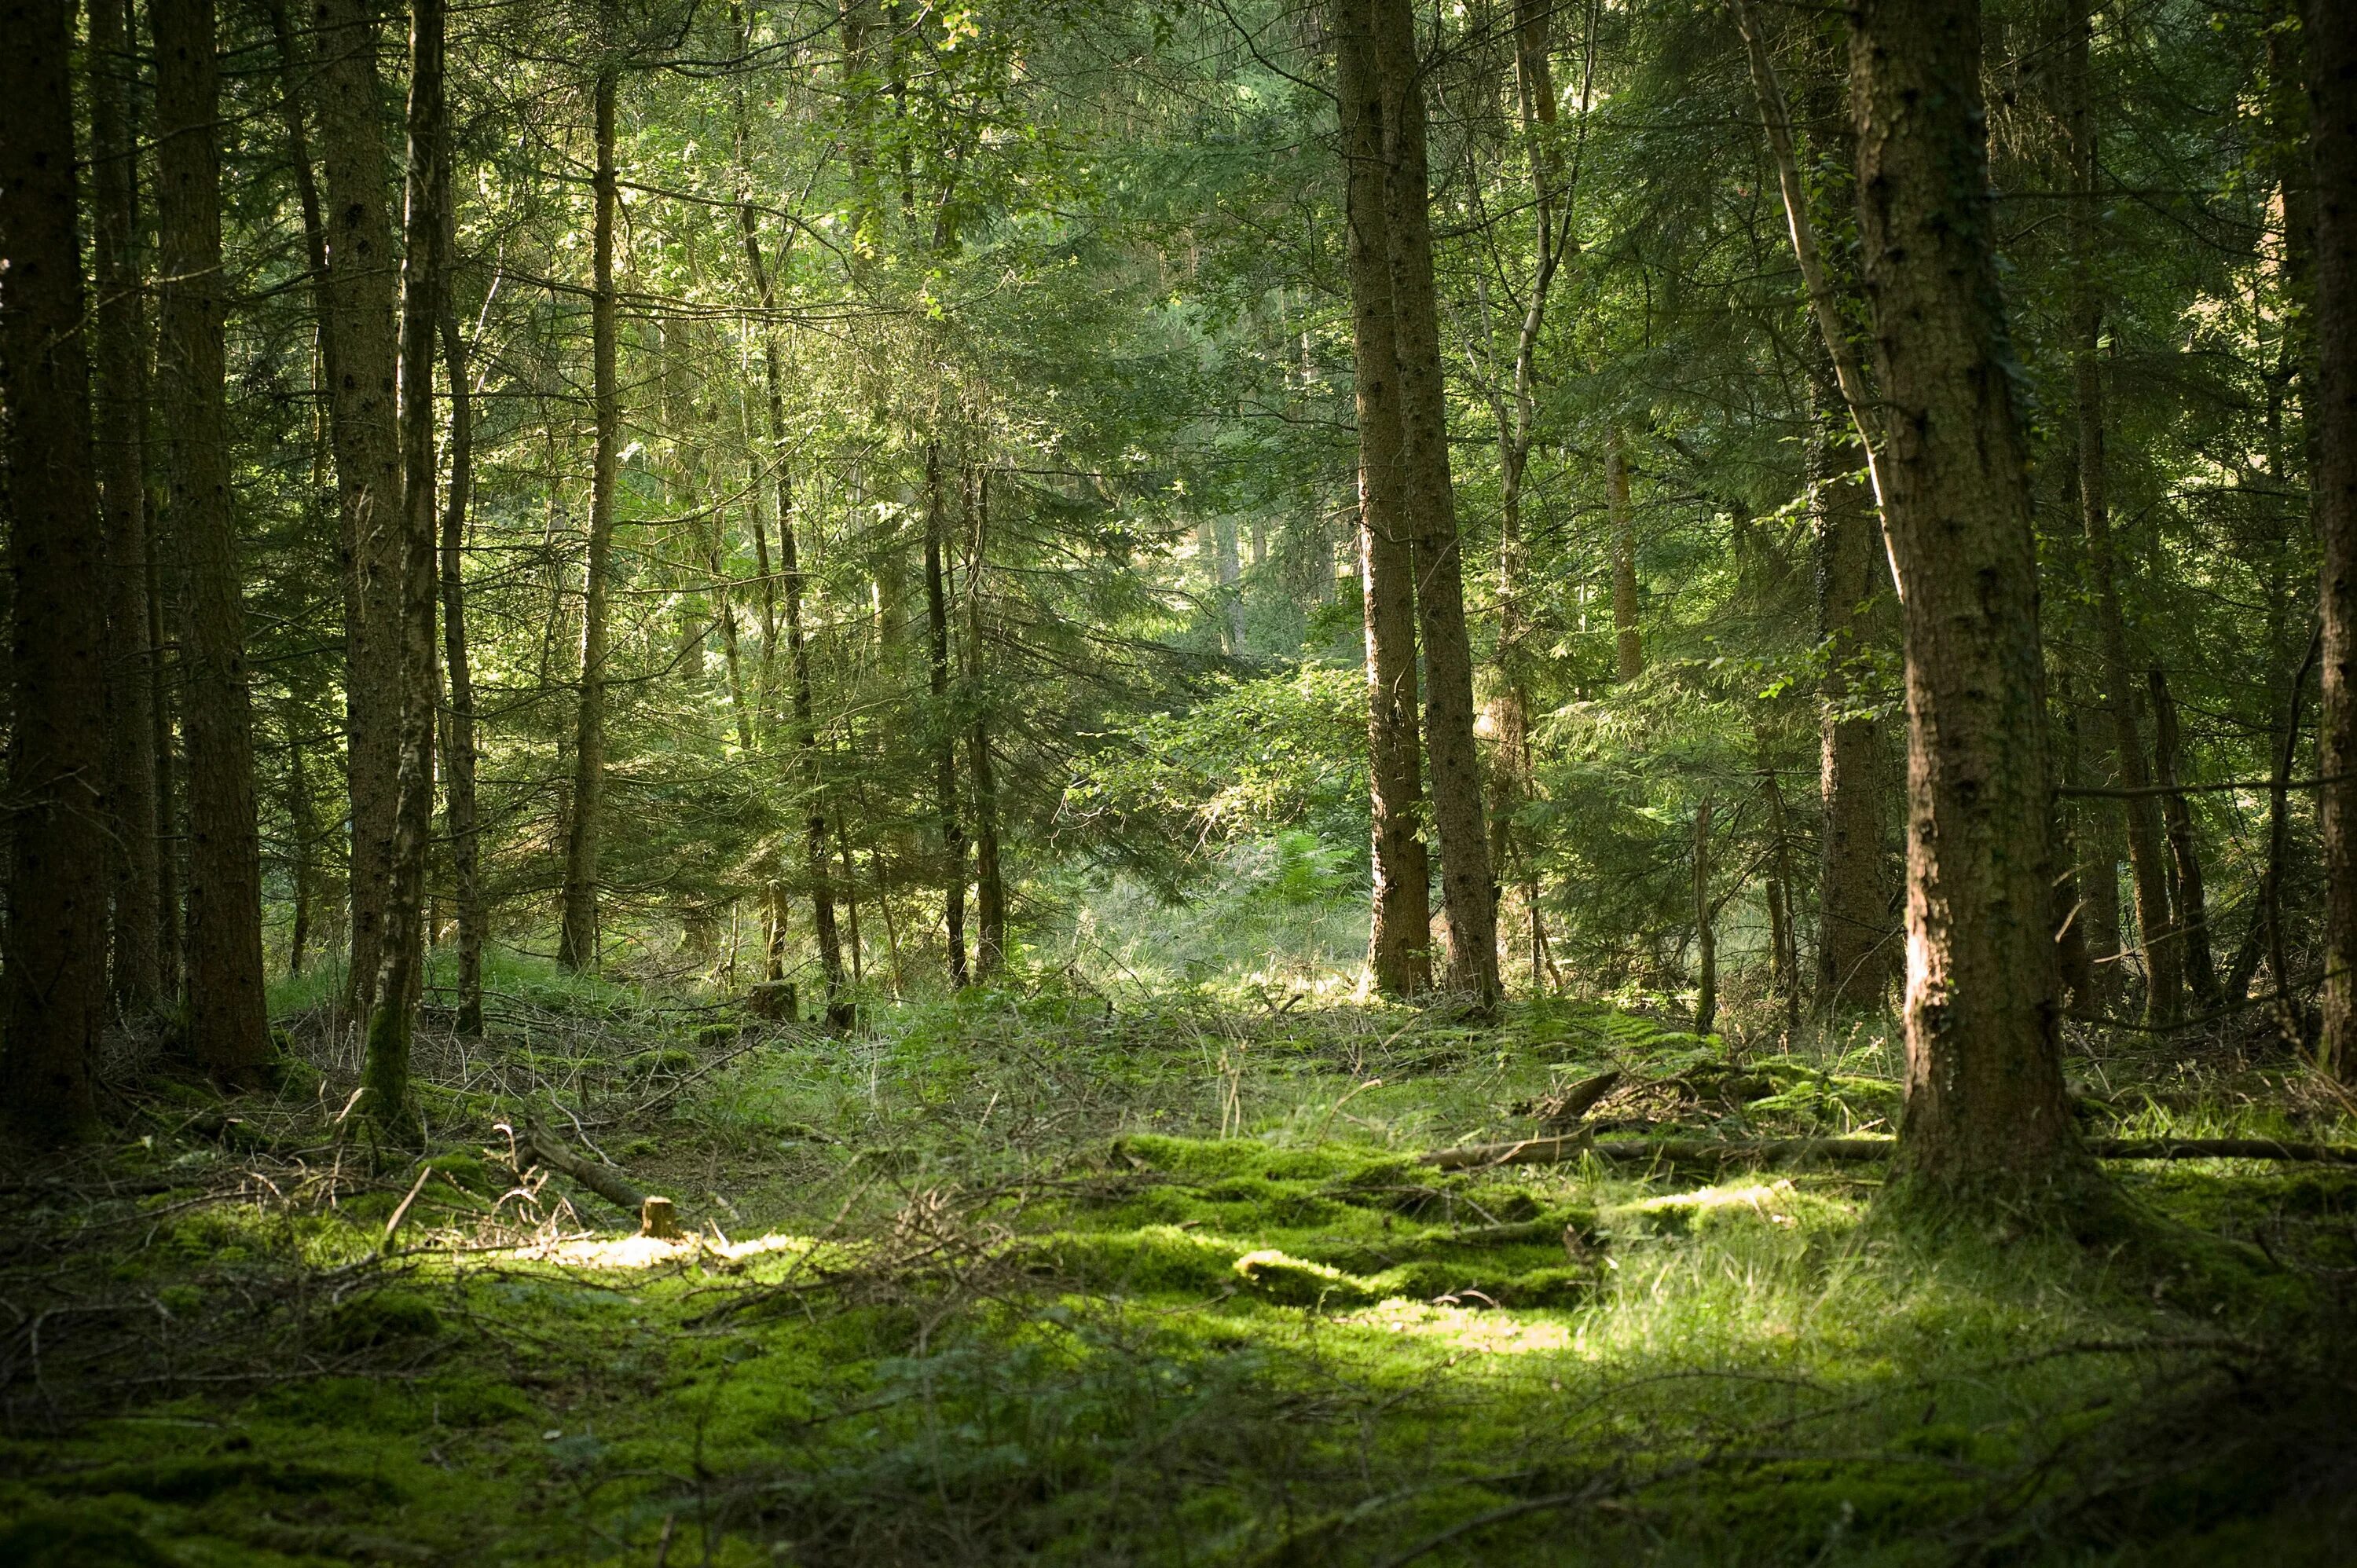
1985 1104
228 1025
2331 43
1400 937
1468 892
56 947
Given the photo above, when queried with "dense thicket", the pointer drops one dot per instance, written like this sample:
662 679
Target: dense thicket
1726 506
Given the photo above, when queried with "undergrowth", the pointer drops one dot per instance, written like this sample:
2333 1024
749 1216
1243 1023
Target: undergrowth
1038 1277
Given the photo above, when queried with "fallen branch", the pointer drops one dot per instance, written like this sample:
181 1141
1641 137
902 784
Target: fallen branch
1848 1151
607 1181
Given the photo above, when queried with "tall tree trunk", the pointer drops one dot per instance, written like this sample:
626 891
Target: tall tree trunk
401 955
459 759
1468 892
227 1022
56 939
1400 938
990 878
576 947
2187 897
839 1010
2072 955
1785 942
119 408
2164 979
937 615
1628 636
299 815
363 412
1706 1017
2331 46
1985 1103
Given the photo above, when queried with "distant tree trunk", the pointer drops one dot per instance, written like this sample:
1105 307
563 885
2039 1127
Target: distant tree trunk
850 902
1468 891
1705 1017
576 947
1784 940
120 409
990 878
1985 1103
2071 955
402 956
823 926
1628 636
2332 45
2163 998
299 817
1854 951
1400 938
363 412
2187 897
227 1022
458 757
937 615
56 939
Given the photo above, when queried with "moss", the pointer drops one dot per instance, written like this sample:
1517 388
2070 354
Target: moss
383 1318
1295 1281
79 1538
201 1479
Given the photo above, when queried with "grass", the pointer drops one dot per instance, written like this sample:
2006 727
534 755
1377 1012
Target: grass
1024 1278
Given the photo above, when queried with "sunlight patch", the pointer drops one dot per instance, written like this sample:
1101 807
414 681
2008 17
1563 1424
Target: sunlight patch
1463 1328
647 1252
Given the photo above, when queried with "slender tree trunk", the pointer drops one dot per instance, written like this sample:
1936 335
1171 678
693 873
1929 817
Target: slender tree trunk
227 1023
1705 1017
1785 943
1985 1103
2331 44
1628 636
402 954
945 742
2164 1001
56 937
2071 956
2187 897
576 947
851 903
1468 892
363 411
119 408
1400 940
458 761
989 879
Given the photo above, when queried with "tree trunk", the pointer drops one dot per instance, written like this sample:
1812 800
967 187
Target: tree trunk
402 954
2164 981
1468 891
1628 637
1705 1017
2187 895
2333 144
1400 938
56 937
937 617
363 412
990 878
119 408
576 947
458 758
1785 943
227 1022
1985 1103
2073 960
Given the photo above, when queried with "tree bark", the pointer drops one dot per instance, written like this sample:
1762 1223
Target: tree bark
937 619
228 1025
1985 1104
363 412
1399 943
576 947
120 410
1469 894
1628 636
1705 1015
402 954
458 756
56 939
2331 44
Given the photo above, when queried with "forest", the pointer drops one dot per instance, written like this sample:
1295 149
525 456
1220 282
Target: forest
1261 782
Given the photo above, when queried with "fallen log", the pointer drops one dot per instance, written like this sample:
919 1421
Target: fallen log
607 1181
1847 1151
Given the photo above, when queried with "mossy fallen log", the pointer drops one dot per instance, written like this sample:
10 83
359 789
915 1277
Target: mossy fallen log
1845 1151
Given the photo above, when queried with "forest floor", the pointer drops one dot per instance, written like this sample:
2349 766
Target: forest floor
1037 1279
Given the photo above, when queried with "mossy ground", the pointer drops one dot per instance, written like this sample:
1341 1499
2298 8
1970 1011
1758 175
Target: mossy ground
1018 1279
